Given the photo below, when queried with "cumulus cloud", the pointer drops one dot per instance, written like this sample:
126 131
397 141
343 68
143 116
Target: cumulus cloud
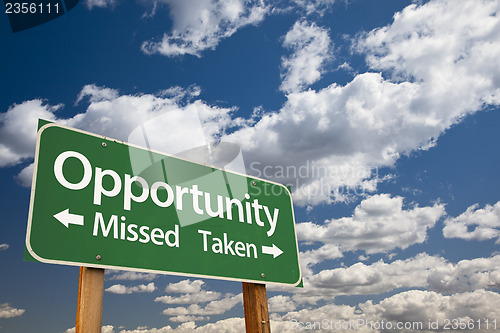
193 293
443 45
422 271
421 306
376 278
428 69
291 321
185 286
466 275
311 50
379 224
7 311
200 25
281 303
18 130
121 289
215 307
324 252
116 116
412 307
475 223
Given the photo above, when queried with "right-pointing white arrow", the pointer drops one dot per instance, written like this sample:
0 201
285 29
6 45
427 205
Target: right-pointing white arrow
274 250
66 218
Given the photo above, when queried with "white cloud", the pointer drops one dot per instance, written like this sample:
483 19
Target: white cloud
229 325
199 25
99 3
379 277
117 116
437 63
290 321
121 289
466 275
97 94
25 177
185 287
112 115
363 258
18 130
192 293
201 296
448 46
130 276
422 271
312 257
222 305
311 50
485 222
315 6
183 318
7 311
411 307
422 306
4 247
180 93
281 303
216 307
379 224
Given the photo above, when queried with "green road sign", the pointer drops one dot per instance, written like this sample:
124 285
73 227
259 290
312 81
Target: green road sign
99 202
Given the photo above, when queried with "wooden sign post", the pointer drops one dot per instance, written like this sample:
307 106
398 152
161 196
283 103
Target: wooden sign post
89 308
255 306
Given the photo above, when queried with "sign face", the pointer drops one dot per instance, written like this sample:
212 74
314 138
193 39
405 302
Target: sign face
171 216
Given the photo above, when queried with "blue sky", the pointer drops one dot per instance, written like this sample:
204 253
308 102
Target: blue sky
390 109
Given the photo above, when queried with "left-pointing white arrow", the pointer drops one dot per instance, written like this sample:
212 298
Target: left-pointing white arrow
274 250
66 218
